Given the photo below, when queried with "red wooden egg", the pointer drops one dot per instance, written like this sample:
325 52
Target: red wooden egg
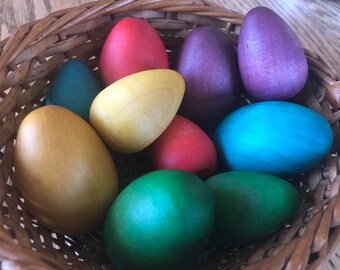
133 45
184 146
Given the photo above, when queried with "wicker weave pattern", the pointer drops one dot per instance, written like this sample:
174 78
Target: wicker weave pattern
28 62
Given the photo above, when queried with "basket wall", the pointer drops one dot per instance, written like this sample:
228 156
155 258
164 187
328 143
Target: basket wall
28 63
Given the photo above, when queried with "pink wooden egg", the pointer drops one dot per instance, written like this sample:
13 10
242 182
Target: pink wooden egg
133 45
184 146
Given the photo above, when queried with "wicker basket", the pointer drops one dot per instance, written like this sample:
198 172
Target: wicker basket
29 60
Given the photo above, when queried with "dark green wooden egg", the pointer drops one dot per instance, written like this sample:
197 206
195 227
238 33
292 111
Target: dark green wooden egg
250 205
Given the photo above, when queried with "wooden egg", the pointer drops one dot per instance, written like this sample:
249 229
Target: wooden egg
272 62
133 45
131 113
74 88
184 146
275 137
250 206
64 170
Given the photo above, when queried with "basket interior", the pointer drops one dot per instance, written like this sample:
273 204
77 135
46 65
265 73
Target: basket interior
30 60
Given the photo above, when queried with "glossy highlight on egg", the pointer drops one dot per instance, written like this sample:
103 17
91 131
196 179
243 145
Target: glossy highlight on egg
64 170
131 113
275 137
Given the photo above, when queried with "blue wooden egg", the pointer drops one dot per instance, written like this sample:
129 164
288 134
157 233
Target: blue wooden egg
276 137
74 88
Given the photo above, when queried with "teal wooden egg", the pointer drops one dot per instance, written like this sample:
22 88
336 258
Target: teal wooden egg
47 101
249 206
74 88
276 137
162 220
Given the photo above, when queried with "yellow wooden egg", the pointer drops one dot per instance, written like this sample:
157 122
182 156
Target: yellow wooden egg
64 170
132 112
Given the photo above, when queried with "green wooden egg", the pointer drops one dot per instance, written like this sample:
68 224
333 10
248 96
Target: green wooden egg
249 206
162 220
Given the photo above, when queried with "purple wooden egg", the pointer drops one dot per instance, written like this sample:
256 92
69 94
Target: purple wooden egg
208 64
272 62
